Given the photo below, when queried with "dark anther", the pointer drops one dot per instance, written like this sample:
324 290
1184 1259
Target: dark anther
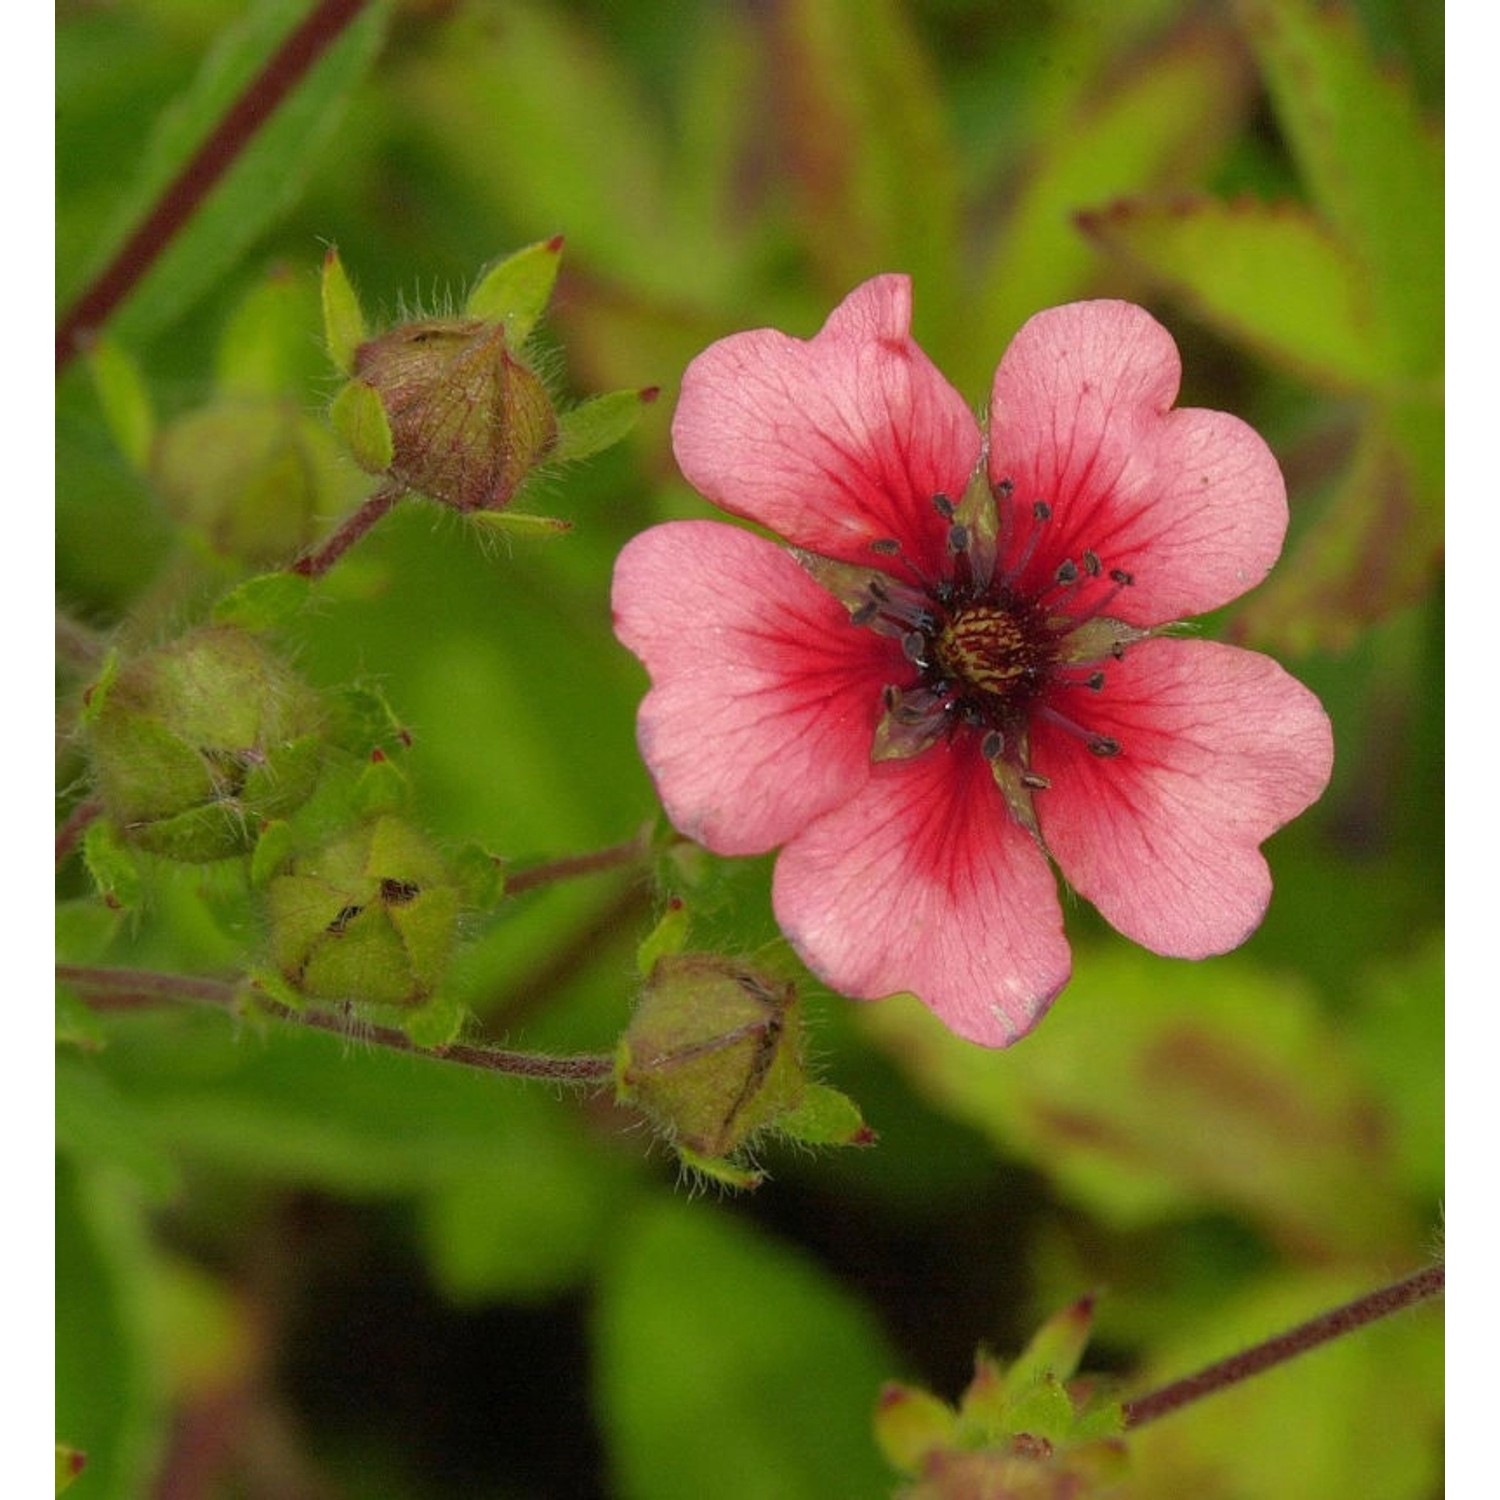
1102 746
879 590
1091 564
958 538
1121 576
890 695
1067 571
992 746
914 647
398 892
1096 680
909 714
1041 511
1117 651
886 546
943 506
866 612
1035 782
1002 488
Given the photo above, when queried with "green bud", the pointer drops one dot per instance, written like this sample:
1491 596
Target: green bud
256 478
713 1053
468 420
195 744
370 916
910 1423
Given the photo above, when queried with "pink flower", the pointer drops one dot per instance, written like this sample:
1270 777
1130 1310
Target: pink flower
959 666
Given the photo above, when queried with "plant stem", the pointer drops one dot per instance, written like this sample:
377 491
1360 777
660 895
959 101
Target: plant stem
283 70
1330 1325
75 825
124 989
316 563
632 851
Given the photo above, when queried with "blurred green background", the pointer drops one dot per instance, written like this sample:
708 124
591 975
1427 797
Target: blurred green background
292 1265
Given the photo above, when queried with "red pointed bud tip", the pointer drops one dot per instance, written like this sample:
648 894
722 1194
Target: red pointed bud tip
370 916
70 1464
195 745
911 1425
253 477
713 1054
468 419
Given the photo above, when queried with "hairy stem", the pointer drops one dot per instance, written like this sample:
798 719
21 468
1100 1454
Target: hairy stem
316 563
283 70
1330 1325
123 989
75 825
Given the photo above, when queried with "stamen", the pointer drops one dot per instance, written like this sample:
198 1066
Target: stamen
943 506
1103 746
958 538
1121 577
1095 681
992 746
885 546
914 647
1041 513
1091 563
866 612
1034 782
1067 571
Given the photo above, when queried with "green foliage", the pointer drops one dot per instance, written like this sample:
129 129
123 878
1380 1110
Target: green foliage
1223 1148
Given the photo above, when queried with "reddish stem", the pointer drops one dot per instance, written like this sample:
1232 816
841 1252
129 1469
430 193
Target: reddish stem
283 71
124 989
75 825
632 851
316 563
1299 1340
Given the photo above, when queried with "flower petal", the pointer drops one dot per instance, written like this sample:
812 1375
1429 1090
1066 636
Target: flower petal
834 442
1219 748
924 882
765 697
1191 503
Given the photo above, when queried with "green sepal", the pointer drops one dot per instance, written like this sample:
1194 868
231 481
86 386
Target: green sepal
368 722
438 1023
717 1169
910 1423
1056 1348
97 693
270 984
272 850
128 410
825 1117
516 290
383 787
74 1024
478 874
112 865
359 419
669 936
1042 1409
519 523
343 319
83 929
266 602
600 422
70 1464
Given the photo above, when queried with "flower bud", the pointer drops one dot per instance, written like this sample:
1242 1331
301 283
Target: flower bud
713 1053
370 916
193 745
468 421
256 477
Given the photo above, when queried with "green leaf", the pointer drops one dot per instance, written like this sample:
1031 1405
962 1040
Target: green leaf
599 423
97 1126
727 1365
126 400
343 319
358 416
1156 1088
1376 547
265 178
265 348
516 290
269 601
1158 126
110 1401
1370 163
873 160
1269 276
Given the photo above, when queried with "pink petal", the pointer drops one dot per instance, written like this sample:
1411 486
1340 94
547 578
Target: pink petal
833 442
1190 502
765 697
1220 747
924 882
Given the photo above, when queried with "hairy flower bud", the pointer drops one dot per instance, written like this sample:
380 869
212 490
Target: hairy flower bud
370 916
194 744
713 1053
468 420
